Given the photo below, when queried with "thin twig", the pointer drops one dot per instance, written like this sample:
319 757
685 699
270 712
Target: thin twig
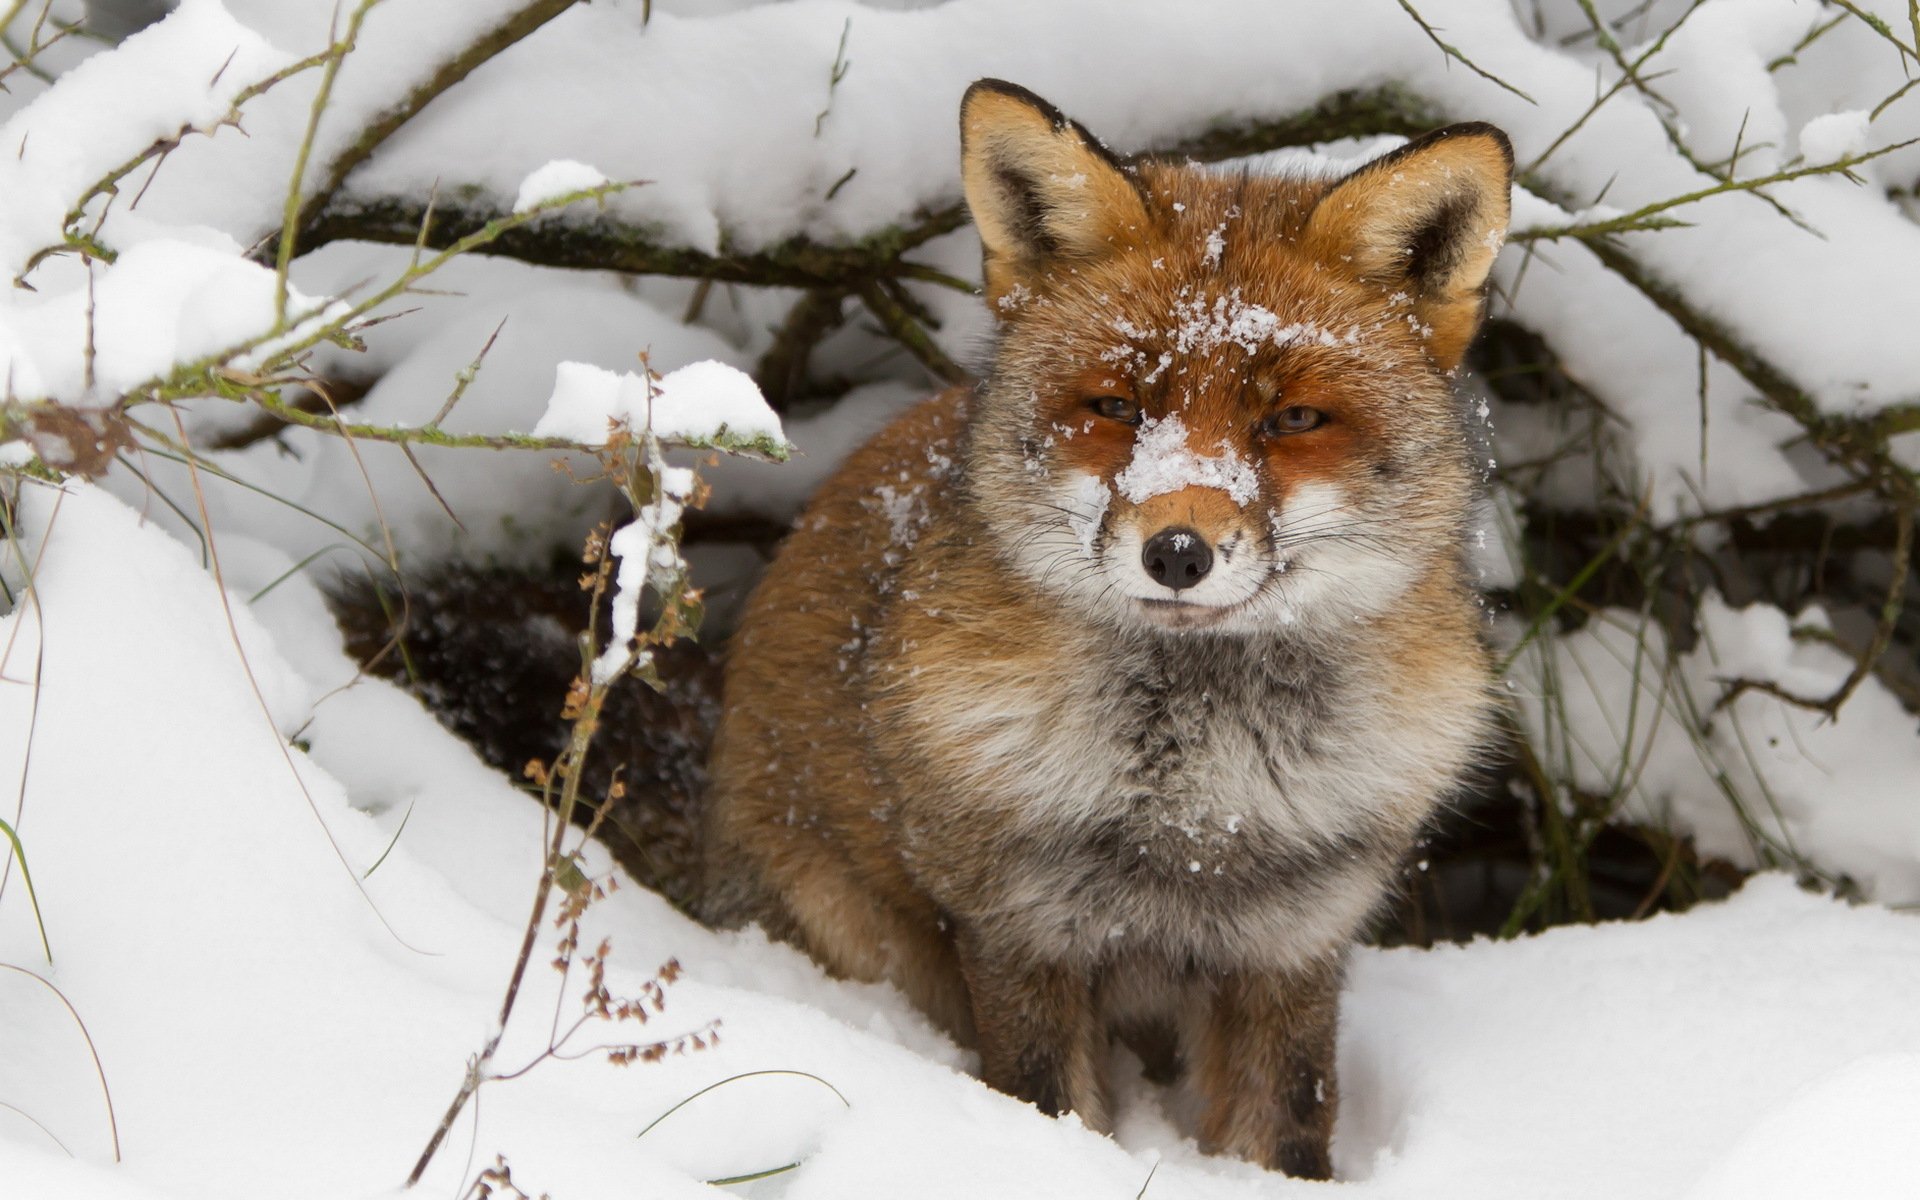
902 327
338 49
1647 217
1454 53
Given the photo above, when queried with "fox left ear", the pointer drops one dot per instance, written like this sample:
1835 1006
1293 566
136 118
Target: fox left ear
1043 191
1426 219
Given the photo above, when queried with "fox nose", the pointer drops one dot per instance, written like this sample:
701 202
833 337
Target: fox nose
1178 558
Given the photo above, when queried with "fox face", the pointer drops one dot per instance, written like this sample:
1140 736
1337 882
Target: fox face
1220 401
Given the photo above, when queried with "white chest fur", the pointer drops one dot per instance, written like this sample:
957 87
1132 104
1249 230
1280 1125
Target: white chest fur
1205 796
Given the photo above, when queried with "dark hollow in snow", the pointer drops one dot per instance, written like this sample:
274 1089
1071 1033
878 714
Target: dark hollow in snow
490 652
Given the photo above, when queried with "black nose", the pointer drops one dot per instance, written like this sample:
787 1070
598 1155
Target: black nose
1178 558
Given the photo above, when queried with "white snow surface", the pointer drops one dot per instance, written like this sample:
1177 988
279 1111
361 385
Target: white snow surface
700 401
296 1033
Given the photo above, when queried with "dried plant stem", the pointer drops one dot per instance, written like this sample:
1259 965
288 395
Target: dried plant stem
640 469
567 771
93 1051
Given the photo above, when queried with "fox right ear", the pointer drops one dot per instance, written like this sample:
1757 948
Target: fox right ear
1426 221
1043 191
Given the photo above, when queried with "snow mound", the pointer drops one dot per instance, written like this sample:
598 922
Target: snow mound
282 1014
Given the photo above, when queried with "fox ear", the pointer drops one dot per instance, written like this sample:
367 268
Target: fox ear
1427 220
1043 190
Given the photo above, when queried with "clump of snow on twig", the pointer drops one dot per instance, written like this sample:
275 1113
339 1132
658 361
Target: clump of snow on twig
648 552
699 402
561 177
1833 137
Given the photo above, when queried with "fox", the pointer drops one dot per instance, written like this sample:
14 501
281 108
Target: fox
1105 699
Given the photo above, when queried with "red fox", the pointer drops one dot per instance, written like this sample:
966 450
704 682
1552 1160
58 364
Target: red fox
1108 696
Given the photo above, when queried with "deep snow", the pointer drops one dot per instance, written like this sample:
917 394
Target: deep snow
267 1029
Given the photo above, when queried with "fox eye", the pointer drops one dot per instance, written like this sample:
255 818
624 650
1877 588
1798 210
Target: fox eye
1296 418
1116 408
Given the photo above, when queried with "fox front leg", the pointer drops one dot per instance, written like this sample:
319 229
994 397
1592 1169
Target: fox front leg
1266 1068
1037 1029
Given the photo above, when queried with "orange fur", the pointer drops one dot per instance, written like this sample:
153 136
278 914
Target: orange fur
1108 695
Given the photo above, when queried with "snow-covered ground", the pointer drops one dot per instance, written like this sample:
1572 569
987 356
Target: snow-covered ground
281 902
272 1024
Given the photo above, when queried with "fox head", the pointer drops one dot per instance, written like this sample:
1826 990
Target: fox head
1221 400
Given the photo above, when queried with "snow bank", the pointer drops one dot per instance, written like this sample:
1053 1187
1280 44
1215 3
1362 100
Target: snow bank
290 1034
1636 1060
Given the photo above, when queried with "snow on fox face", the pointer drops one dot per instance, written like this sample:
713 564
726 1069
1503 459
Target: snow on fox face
1221 465
1219 400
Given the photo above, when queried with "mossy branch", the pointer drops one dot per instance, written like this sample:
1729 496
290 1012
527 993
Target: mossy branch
283 348
761 446
603 241
607 242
